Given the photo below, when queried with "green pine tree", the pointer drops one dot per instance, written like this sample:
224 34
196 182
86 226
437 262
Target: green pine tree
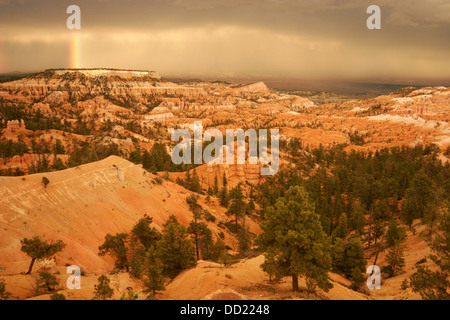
116 247
102 289
45 182
216 186
175 249
218 252
38 249
348 254
46 283
435 285
395 260
195 185
144 233
223 197
4 295
294 236
154 280
237 205
224 180
199 230
357 220
422 190
57 296
341 230
394 234
410 208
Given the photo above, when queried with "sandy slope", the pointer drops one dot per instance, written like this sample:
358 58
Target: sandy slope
245 280
80 205
416 248
242 281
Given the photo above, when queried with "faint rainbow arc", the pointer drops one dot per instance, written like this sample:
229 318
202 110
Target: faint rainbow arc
75 50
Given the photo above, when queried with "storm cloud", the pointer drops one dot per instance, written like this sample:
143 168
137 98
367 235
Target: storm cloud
268 38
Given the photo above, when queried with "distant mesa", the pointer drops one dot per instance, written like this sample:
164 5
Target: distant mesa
253 87
108 72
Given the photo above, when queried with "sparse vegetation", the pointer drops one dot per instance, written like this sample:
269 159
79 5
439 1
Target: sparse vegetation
38 249
45 182
175 249
295 238
102 290
4 295
330 207
46 283
57 296
435 285
115 246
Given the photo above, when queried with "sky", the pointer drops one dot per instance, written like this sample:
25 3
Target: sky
304 39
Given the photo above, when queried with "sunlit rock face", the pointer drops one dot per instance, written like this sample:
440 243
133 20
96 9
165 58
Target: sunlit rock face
110 72
90 82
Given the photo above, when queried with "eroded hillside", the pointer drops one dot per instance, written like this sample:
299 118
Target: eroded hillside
81 205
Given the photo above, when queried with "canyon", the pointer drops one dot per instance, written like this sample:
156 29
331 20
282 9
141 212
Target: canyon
56 114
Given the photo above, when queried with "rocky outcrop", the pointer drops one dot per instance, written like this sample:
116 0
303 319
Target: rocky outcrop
26 161
59 86
99 72
253 87
15 124
160 117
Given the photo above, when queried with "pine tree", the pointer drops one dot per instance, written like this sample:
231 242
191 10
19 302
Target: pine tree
46 283
223 197
348 254
244 240
357 278
4 295
115 246
199 230
250 207
195 185
154 280
58 147
206 242
435 285
175 249
294 236
410 208
144 233
45 182
394 234
188 180
216 186
395 260
218 251
147 161
224 180
57 296
102 290
357 220
433 213
237 204
137 259
422 190
375 231
341 230
38 249
270 265
135 156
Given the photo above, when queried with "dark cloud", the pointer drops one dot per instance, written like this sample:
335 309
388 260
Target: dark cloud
325 38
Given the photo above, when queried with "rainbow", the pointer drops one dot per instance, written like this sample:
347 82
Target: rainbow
75 50
2 67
